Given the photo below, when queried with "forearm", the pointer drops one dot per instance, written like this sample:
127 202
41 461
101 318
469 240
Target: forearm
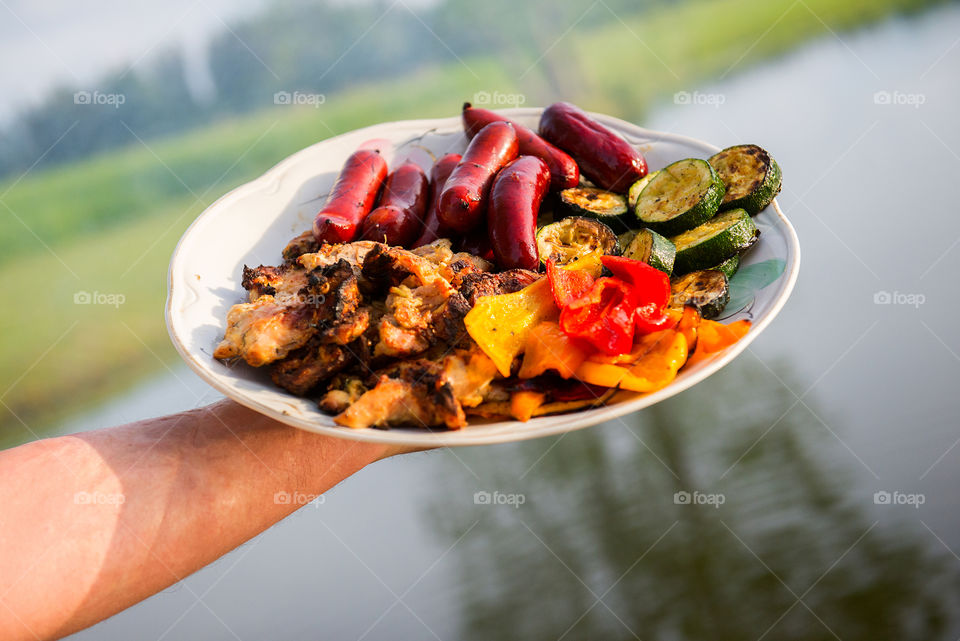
95 522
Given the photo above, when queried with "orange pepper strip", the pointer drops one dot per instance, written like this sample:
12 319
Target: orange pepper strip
713 337
549 348
524 403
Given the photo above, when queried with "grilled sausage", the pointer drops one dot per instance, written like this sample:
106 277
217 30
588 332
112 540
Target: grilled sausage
512 218
351 198
397 218
432 229
604 157
464 196
564 172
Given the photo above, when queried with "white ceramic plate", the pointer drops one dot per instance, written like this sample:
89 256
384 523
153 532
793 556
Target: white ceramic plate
251 224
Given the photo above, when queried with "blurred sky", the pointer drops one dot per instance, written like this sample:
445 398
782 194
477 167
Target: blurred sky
48 42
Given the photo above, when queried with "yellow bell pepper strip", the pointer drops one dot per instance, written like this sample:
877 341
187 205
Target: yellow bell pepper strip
523 404
655 369
661 364
501 324
549 348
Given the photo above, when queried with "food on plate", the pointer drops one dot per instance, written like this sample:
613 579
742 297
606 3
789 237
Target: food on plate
633 194
397 220
608 207
571 238
564 172
725 235
480 293
515 199
604 157
463 200
729 267
708 291
653 249
681 196
352 197
752 177
441 170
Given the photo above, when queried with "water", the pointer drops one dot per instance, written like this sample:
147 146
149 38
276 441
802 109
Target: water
751 506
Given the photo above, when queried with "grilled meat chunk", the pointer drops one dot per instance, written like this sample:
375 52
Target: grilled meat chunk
265 331
271 326
479 284
343 391
354 253
305 243
308 366
420 392
280 282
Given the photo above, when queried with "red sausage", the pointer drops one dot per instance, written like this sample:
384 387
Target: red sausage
432 229
604 157
391 225
351 198
512 219
463 200
397 219
477 243
564 172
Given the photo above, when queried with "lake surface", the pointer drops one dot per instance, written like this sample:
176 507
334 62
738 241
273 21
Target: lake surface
808 491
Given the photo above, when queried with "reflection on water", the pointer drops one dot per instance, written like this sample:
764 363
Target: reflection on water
716 515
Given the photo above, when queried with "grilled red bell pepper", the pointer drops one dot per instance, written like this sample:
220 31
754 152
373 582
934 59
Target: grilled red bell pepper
567 284
603 317
650 288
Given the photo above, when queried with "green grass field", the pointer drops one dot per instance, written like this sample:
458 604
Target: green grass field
109 224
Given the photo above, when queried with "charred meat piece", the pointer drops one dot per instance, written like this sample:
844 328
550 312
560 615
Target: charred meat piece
411 392
308 366
305 243
265 331
482 284
270 327
332 290
342 392
280 282
421 393
354 253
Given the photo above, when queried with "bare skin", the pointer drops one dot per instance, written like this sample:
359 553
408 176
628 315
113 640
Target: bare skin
93 523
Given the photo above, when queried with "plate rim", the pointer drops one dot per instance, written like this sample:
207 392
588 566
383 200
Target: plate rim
464 437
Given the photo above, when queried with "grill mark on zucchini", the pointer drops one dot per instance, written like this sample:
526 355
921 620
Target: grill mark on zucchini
751 176
653 249
566 240
723 236
681 196
633 194
707 290
608 207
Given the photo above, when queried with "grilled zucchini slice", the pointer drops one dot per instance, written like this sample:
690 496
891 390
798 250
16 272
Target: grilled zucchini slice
633 194
608 207
707 290
723 236
653 249
567 240
751 176
627 237
729 267
681 196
